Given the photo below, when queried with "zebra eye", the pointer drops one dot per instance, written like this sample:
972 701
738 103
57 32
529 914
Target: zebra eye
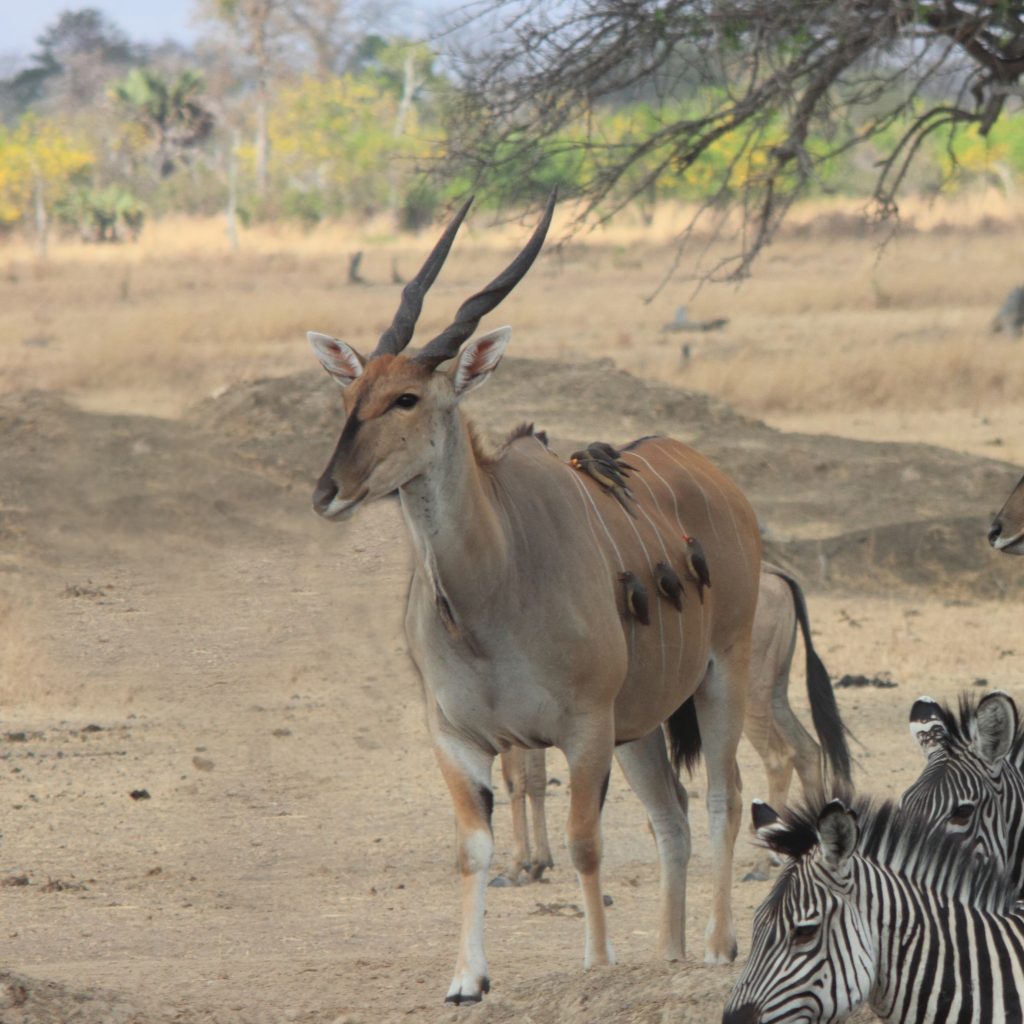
804 933
961 815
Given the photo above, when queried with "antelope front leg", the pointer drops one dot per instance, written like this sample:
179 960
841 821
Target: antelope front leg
467 770
590 762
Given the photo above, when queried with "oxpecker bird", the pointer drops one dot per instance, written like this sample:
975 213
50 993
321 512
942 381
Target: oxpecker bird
636 597
668 583
697 565
606 474
606 452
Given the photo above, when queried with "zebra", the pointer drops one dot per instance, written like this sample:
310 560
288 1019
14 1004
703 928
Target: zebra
973 784
876 906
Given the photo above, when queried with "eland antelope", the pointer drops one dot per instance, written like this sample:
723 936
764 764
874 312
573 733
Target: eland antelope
1006 533
877 907
515 618
771 726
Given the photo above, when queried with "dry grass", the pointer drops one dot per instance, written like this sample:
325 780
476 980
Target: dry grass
830 334
23 663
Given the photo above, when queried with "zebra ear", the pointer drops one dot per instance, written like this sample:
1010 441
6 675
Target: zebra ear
994 726
837 832
763 815
927 725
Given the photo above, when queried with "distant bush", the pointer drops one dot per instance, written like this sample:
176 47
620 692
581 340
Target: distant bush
110 214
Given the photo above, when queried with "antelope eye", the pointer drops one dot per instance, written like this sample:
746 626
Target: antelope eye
406 401
961 814
804 933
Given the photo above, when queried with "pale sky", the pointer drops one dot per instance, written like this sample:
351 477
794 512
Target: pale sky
145 21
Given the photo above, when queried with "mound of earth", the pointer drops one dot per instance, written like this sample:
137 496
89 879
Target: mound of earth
25 1000
839 512
238 469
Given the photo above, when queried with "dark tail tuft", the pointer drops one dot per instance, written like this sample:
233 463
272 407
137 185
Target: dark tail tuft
684 737
824 711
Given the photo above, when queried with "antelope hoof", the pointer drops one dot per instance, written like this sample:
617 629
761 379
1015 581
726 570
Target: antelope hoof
514 874
537 869
467 987
721 958
604 959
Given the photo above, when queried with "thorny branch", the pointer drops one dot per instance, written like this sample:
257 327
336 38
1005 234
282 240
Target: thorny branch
770 73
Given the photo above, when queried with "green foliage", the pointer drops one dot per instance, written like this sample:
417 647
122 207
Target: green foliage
354 144
303 206
337 139
110 214
420 205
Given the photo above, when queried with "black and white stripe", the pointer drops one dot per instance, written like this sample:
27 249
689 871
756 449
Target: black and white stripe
973 786
877 907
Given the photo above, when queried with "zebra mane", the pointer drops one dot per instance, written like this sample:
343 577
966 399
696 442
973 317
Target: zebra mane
957 723
907 844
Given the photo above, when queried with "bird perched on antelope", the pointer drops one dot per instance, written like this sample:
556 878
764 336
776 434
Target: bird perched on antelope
666 579
697 565
636 598
606 471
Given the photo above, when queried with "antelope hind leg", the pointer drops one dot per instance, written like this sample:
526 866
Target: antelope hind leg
467 771
720 714
646 765
536 789
515 772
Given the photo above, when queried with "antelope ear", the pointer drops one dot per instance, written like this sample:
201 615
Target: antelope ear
478 360
837 831
341 361
926 725
994 726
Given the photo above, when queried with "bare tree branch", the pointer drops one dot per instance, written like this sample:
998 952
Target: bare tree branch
788 84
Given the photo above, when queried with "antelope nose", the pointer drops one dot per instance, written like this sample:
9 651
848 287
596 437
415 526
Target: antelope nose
326 491
994 531
746 1014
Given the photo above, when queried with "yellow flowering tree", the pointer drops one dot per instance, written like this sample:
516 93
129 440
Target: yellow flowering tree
338 146
39 163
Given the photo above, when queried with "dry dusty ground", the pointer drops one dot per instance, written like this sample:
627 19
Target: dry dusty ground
174 619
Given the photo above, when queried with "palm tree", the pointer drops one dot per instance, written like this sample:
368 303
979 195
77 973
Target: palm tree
170 111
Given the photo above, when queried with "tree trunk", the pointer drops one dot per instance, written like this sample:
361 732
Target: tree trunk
401 117
42 222
262 138
232 207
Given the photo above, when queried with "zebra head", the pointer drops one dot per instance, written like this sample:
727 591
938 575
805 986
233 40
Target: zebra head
812 959
970 788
